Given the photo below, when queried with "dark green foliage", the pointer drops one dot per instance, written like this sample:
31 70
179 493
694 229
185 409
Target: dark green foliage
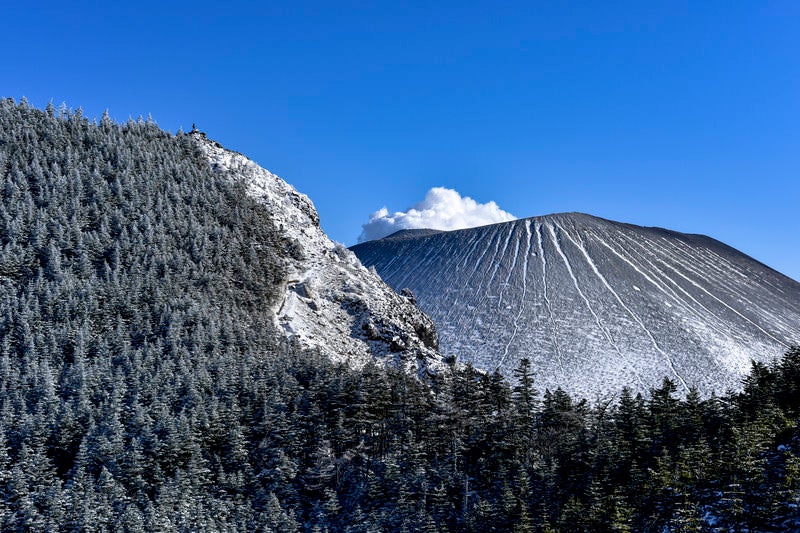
133 281
143 387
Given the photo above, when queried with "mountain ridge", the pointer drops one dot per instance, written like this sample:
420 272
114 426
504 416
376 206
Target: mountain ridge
577 292
330 302
425 232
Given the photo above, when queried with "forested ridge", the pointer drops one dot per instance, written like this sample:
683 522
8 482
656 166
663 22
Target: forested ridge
143 388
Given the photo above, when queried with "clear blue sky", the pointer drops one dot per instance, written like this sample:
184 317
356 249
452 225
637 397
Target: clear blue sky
684 115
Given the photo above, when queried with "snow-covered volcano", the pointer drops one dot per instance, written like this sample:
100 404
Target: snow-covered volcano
595 304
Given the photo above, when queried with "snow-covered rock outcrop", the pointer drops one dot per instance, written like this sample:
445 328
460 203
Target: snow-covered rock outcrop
331 302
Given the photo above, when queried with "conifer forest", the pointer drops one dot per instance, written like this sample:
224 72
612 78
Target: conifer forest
143 387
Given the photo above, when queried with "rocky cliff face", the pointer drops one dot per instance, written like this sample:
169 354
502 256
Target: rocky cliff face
331 302
595 304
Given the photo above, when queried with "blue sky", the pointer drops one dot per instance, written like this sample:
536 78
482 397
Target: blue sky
683 115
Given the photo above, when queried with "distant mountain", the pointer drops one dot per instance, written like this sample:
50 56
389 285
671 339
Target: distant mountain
595 304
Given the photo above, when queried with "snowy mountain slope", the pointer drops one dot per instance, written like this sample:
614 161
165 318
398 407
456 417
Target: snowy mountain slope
331 302
595 304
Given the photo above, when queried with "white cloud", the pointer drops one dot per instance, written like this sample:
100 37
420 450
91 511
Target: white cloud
443 209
